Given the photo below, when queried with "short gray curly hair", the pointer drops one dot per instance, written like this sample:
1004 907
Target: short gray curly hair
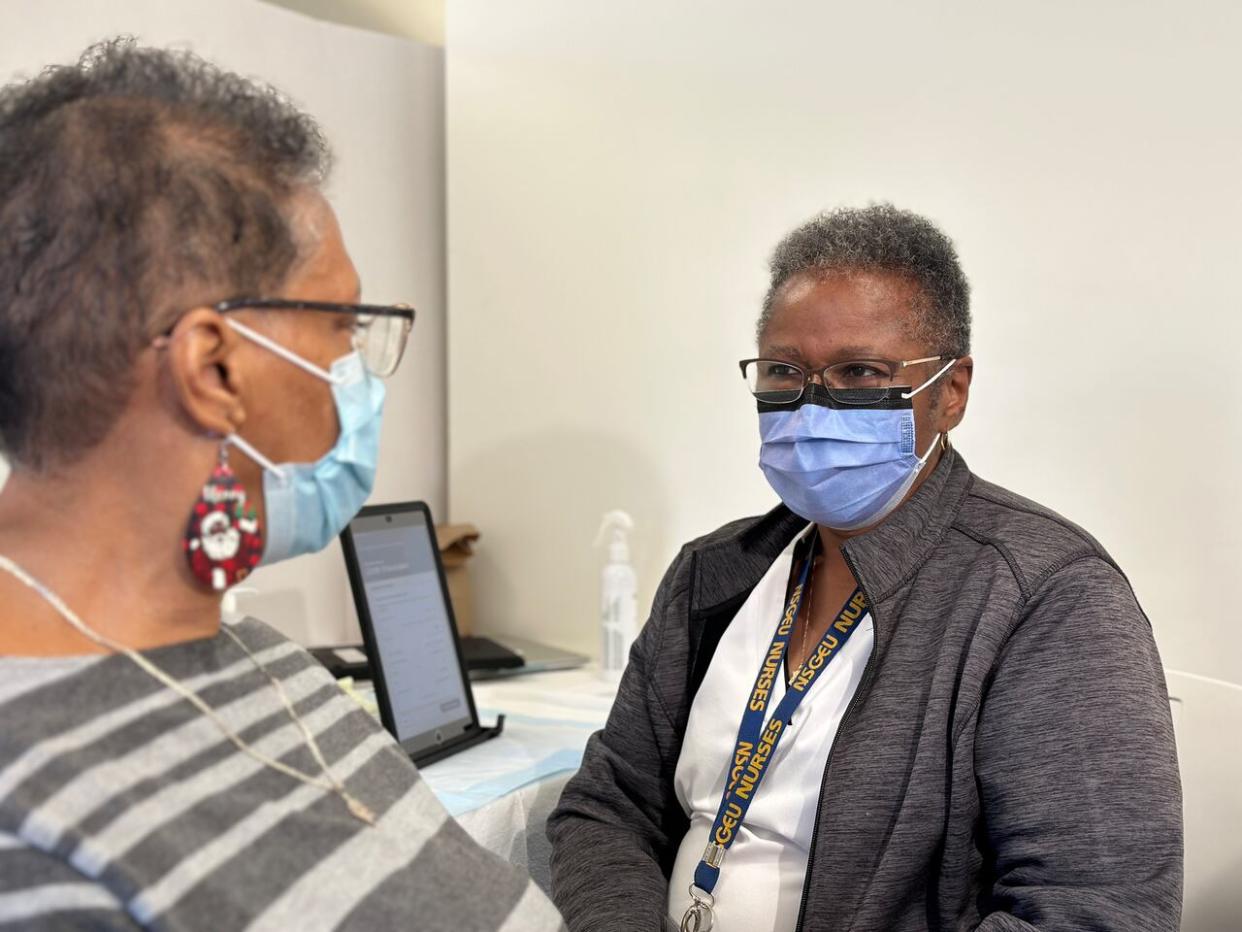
882 238
132 180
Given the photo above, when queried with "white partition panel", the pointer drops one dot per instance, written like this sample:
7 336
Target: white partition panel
1207 716
380 101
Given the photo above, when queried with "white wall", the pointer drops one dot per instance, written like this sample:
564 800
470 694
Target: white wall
380 101
619 173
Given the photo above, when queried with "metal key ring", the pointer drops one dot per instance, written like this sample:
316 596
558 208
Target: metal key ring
699 916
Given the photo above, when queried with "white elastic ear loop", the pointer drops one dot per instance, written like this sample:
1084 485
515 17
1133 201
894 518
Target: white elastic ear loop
288 355
947 366
926 456
254 454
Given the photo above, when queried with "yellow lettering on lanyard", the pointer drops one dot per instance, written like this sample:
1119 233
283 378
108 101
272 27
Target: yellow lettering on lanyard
728 822
749 759
767 675
773 732
750 776
851 613
740 756
772 663
791 612
843 624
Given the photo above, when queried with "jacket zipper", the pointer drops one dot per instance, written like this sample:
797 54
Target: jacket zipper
863 684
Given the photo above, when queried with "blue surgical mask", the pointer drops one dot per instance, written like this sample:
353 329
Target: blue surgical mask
308 504
842 466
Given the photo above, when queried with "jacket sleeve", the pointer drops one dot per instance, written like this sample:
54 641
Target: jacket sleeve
1077 768
618 821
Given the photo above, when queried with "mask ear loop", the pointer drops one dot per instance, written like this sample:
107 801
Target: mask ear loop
906 396
237 441
931 449
288 355
943 438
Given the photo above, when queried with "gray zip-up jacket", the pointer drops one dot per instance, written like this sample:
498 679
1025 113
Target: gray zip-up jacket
1007 762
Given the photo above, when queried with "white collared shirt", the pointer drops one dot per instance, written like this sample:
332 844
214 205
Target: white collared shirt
760 886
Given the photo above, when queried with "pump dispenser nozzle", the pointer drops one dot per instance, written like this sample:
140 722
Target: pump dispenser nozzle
618 593
616 526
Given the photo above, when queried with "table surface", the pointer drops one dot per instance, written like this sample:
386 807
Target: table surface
548 719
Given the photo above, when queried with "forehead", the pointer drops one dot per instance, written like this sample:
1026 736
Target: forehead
325 271
823 315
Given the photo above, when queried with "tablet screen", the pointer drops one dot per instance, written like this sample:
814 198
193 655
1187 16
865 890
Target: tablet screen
412 631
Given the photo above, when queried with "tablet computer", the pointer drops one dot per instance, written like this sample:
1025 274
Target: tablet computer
409 632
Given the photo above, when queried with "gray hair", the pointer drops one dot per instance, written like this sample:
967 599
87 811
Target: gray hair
882 238
131 181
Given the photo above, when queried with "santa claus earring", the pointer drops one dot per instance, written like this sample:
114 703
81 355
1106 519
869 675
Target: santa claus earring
223 540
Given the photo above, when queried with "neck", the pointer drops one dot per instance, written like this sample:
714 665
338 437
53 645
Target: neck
105 536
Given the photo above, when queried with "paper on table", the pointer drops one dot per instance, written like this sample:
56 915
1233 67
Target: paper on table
530 749
548 719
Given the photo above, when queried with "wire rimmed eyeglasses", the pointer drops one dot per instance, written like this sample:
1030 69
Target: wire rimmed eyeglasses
380 331
853 381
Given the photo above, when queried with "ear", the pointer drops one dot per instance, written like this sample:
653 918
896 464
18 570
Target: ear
202 360
954 395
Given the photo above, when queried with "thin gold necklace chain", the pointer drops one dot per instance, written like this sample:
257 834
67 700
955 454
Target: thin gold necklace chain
332 783
806 621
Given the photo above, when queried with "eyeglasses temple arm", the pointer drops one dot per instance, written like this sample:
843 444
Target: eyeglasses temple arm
943 369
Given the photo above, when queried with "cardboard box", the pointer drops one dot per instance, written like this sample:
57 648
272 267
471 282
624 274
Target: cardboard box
456 542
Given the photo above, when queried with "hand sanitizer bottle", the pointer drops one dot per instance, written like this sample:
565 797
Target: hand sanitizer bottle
618 591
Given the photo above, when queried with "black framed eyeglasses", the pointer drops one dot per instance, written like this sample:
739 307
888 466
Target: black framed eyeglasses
852 382
380 333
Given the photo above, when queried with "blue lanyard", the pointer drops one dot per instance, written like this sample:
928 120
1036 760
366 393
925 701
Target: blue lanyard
756 744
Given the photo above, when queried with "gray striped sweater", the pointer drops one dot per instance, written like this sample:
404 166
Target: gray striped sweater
123 807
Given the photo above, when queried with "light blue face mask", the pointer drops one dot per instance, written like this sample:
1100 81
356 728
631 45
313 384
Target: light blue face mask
842 466
308 504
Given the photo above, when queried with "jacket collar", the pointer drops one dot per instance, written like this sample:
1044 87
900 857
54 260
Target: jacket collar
727 568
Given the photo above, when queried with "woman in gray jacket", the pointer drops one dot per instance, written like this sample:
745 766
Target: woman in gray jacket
905 699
